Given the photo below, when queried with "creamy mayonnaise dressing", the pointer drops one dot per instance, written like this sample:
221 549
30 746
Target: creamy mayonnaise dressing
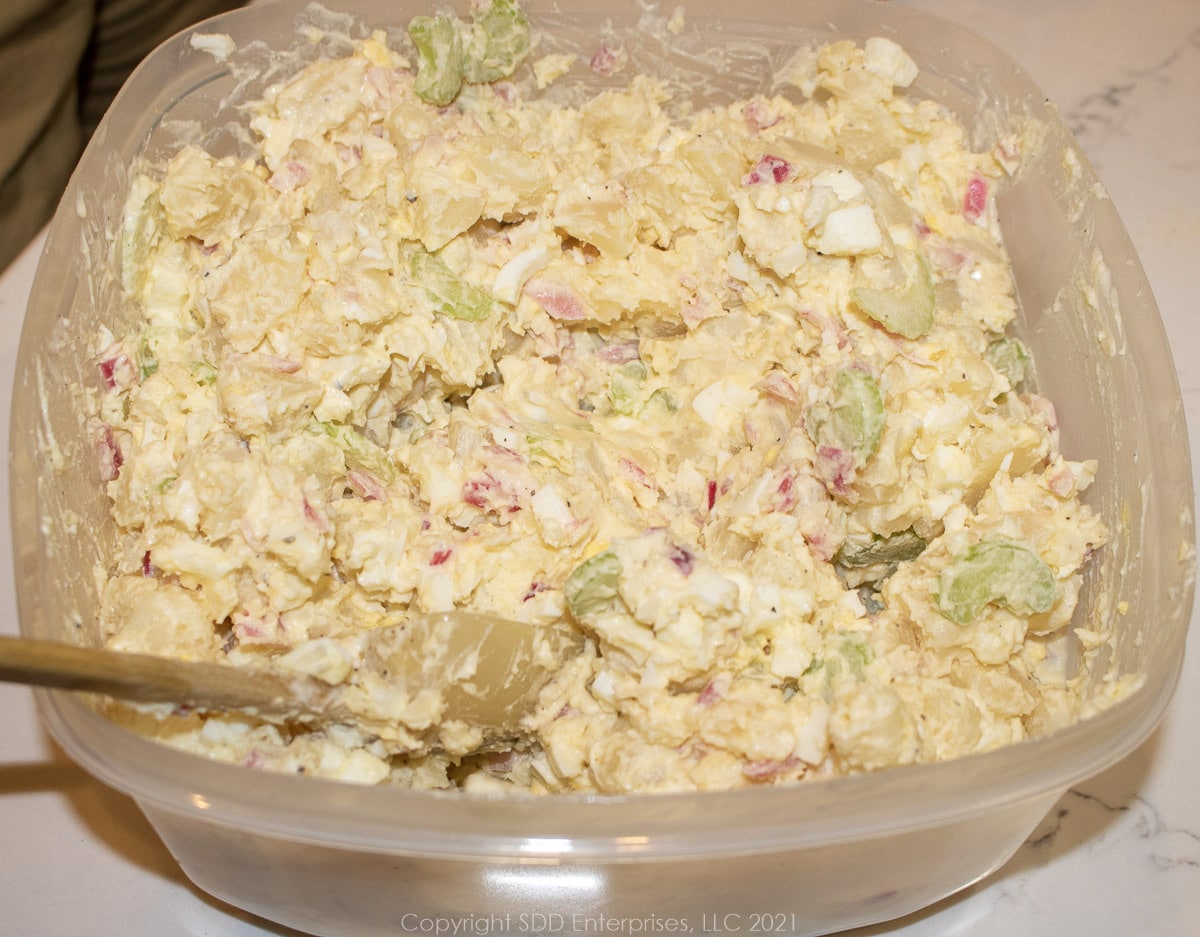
730 392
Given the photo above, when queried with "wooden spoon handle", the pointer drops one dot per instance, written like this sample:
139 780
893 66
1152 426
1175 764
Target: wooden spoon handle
142 677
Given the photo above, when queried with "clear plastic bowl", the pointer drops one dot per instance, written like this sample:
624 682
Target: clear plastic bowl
340 859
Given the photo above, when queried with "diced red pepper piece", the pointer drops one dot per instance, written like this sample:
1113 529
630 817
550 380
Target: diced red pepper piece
558 301
603 60
769 170
975 198
684 559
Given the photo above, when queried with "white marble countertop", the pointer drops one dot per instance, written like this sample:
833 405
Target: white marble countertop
1120 854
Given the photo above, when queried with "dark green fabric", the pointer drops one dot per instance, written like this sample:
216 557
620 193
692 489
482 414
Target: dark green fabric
61 63
41 45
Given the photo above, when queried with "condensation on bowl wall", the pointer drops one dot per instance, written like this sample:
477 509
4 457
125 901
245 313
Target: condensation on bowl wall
339 859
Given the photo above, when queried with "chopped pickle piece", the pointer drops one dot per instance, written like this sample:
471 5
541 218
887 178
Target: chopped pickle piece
886 553
907 312
497 44
853 420
449 294
592 585
871 561
1010 357
439 58
999 572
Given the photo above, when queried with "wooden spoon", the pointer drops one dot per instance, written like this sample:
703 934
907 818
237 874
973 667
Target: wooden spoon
480 670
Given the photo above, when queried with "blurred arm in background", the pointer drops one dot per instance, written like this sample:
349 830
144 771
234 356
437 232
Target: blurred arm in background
61 63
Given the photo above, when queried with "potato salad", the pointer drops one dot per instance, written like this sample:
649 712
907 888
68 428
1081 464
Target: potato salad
730 390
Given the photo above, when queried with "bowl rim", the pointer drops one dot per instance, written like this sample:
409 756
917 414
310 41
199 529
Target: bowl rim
462 824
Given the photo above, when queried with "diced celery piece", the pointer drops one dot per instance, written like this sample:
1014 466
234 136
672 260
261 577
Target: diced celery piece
908 311
149 342
448 293
625 387
147 355
660 403
856 653
359 451
549 449
204 373
851 655
439 58
140 227
592 585
450 53
995 572
498 43
1010 357
853 419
